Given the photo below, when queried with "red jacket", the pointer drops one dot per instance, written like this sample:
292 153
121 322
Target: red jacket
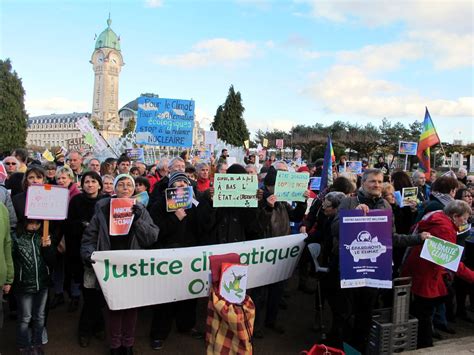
203 184
153 179
427 277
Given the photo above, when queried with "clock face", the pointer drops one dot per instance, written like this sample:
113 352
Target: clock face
100 58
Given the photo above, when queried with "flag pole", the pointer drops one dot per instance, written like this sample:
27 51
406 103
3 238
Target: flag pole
445 156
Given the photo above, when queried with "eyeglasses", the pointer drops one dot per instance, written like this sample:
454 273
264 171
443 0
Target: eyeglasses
125 186
8 163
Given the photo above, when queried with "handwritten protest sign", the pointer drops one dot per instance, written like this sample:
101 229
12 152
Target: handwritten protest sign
354 167
291 186
409 194
165 122
443 253
48 202
279 143
365 248
91 136
136 154
407 148
235 190
121 216
179 197
77 144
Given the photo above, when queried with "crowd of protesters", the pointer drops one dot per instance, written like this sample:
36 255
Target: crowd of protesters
36 272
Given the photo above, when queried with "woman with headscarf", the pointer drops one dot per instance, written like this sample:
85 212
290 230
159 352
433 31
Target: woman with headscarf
143 234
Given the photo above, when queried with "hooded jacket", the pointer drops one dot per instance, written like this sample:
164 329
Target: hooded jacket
427 277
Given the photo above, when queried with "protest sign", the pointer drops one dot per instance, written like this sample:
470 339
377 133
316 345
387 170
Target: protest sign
142 197
136 154
233 282
76 144
247 144
210 137
136 278
265 143
291 186
3 173
165 122
443 253
354 167
91 136
409 194
47 155
179 197
121 216
47 202
315 183
407 148
365 248
279 143
235 190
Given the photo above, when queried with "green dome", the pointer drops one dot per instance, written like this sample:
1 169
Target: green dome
108 38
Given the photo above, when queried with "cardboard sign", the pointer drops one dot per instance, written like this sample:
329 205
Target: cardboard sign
354 167
233 282
247 144
121 216
235 190
47 155
279 143
365 248
291 186
165 122
210 137
407 148
409 194
48 202
136 154
170 275
443 253
179 197
315 183
265 143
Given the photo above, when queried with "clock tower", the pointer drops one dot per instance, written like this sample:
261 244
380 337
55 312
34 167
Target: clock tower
107 63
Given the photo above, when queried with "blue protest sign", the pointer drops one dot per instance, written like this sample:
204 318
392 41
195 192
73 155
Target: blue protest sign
165 122
136 154
315 183
407 148
365 248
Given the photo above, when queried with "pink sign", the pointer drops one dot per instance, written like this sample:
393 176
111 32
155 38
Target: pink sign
48 202
121 215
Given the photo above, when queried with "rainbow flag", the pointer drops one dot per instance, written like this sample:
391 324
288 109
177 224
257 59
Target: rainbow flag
329 159
428 138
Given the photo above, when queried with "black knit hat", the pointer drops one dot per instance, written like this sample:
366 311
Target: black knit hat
178 176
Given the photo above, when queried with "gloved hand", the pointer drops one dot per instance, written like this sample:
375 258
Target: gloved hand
137 210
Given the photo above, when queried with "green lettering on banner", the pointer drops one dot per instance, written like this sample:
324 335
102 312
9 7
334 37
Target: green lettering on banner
196 283
295 251
176 267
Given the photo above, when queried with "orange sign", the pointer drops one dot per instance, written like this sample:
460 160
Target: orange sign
121 216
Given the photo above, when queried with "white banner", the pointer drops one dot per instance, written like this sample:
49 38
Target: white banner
136 278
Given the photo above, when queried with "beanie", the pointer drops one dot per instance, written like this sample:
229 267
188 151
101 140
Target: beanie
178 176
121 177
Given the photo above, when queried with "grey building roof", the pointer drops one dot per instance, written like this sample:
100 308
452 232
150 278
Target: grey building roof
57 118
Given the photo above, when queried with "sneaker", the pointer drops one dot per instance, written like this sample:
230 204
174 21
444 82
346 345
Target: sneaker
157 344
73 305
56 301
84 341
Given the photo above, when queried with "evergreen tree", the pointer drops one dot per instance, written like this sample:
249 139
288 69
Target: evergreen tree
13 117
229 122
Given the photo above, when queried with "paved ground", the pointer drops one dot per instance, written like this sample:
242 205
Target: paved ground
299 320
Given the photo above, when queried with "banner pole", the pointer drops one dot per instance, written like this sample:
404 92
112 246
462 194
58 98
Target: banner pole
406 162
45 229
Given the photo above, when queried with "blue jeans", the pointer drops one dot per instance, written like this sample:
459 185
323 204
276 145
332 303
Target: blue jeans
31 308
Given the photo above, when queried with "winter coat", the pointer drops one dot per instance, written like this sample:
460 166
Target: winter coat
275 221
80 212
32 262
227 225
173 232
6 199
15 183
427 277
73 190
6 261
143 232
